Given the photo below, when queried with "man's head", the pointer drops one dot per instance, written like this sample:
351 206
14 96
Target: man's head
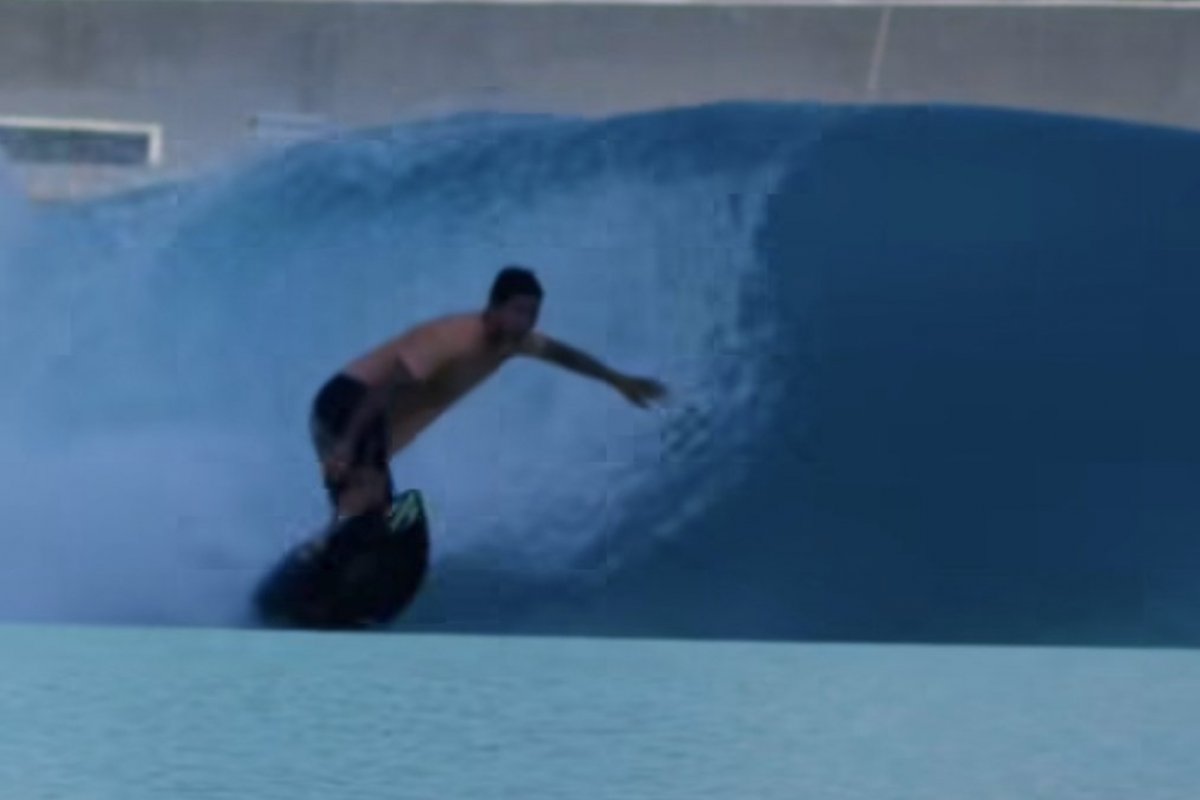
513 304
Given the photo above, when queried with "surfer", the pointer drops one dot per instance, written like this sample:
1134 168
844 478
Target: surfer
378 403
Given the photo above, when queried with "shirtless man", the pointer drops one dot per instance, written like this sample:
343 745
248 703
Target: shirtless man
380 402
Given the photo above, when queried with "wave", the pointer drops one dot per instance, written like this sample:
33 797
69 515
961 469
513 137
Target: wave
929 367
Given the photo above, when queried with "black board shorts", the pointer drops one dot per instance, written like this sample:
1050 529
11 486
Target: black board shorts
332 409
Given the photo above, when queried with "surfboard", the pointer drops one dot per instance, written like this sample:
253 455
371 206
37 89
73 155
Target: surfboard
360 573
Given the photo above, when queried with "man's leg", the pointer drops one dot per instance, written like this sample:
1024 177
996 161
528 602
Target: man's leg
367 482
364 489
375 453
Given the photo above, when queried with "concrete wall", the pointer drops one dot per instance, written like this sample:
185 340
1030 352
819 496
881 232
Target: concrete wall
204 69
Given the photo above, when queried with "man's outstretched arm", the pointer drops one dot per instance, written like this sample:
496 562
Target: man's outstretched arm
637 390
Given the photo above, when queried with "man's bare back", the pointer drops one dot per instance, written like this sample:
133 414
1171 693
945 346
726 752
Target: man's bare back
445 358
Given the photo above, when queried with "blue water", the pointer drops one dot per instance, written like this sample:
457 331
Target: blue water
130 714
932 372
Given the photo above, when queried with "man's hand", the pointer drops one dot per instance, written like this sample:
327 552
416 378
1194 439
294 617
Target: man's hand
639 391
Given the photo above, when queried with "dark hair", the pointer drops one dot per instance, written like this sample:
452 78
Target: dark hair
513 281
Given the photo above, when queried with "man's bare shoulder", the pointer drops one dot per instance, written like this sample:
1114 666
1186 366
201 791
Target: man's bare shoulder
459 330
447 327
442 322
429 345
